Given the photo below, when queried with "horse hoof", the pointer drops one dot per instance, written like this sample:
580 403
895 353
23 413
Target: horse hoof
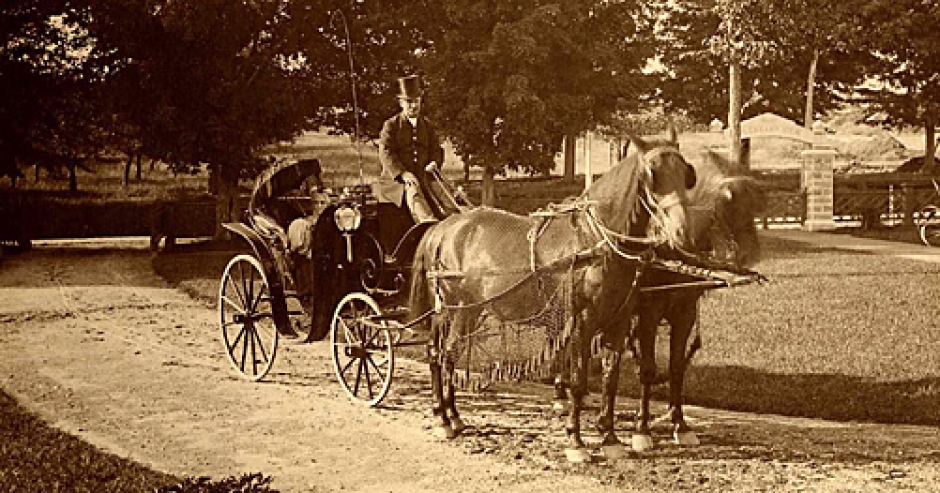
641 442
457 425
577 455
686 438
444 432
614 452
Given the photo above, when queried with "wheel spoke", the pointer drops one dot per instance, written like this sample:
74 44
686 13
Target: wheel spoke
254 355
358 377
349 335
377 370
244 352
239 309
241 297
264 354
237 338
262 295
348 364
365 368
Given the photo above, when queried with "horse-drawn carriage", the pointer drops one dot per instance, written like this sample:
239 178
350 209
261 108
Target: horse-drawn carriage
320 260
350 272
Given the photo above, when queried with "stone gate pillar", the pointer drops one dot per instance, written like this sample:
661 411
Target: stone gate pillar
816 182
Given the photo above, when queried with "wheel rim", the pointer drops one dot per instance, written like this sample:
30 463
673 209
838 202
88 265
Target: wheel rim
928 228
363 356
249 334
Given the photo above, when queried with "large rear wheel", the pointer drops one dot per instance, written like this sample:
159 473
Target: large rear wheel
363 354
247 318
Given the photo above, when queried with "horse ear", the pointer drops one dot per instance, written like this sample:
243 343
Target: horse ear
673 134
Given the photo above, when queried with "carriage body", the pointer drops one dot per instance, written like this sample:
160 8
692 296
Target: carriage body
352 244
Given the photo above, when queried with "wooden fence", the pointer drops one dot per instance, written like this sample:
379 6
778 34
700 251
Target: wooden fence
888 198
868 200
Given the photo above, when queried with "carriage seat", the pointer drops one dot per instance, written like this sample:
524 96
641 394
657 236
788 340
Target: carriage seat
268 228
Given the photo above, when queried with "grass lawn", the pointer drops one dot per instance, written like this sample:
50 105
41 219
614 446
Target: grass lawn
36 457
837 335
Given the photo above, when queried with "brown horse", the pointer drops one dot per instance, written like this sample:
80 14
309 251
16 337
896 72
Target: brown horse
722 209
503 263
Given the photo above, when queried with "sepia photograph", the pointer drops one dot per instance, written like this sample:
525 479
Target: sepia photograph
466 246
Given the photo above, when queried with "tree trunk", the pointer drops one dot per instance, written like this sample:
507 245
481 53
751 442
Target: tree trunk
571 144
226 186
930 141
810 91
139 159
734 112
73 178
127 169
214 179
489 186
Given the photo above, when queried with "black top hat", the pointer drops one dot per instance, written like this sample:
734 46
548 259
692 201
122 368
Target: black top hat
409 87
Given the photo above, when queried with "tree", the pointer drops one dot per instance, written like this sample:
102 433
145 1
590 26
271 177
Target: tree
825 37
905 37
211 82
509 80
756 49
45 92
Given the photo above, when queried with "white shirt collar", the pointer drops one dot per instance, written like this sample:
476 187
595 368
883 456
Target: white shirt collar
414 122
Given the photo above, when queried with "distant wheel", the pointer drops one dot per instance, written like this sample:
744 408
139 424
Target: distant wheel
247 318
363 355
929 226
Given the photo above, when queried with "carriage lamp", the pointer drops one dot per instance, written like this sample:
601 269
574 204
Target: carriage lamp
347 218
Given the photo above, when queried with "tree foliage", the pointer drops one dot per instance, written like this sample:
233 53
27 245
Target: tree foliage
509 79
904 36
48 114
774 40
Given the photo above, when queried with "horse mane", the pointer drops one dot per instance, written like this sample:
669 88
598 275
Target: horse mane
713 176
616 190
716 179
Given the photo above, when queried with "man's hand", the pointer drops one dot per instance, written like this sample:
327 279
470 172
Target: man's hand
408 178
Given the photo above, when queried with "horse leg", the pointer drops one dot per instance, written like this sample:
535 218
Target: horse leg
562 365
612 446
441 426
648 322
464 321
580 357
681 320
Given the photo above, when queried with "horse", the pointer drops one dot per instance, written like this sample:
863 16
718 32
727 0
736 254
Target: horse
501 262
722 208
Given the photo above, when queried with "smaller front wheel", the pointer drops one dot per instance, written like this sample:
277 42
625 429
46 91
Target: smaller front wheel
929 226
363 354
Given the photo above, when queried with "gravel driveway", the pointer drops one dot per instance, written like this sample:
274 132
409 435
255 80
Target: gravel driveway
94 342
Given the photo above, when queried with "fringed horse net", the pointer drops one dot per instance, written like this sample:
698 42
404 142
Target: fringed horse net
529 348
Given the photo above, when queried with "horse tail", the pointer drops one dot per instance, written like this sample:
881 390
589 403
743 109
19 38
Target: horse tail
420 296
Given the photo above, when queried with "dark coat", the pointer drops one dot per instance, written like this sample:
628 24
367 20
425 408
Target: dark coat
404 148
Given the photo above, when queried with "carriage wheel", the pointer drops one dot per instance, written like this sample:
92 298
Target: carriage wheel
247 317
363 356
929 228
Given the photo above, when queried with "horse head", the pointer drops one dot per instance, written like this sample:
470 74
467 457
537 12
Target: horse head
664 181
724 205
